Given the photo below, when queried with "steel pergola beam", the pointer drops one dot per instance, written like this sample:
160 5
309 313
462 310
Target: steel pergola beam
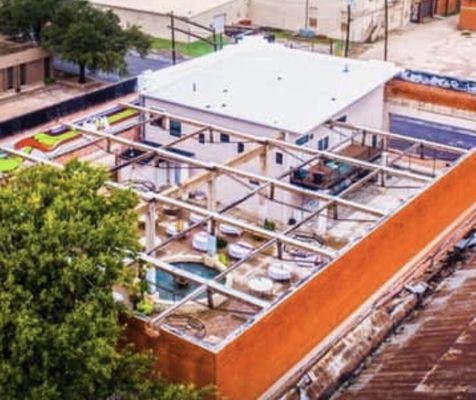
210 284
147 258
211 166
283 144
195 209
378 132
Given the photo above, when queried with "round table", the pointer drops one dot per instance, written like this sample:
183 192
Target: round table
261 285
280 272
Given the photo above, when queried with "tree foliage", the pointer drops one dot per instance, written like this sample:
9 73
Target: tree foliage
93 38
25 19
62 245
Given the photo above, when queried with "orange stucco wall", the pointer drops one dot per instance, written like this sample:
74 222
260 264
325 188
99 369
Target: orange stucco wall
429 94
467 19
177 360
250 364
447 7
263 353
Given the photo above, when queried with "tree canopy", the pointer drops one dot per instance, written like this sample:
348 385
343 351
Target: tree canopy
25 19
92 38
62 245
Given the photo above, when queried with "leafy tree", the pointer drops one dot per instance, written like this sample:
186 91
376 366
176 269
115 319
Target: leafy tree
62 245
93 38
26 18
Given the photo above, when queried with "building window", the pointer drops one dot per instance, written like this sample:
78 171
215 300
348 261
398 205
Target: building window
241 147
374 140
323 144
47 67
157 122
201 138
22 74
10 78
279 158
224 138
175 128
303 140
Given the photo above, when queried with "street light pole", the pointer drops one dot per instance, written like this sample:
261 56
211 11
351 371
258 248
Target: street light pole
349 19
385 56
174 45
306 15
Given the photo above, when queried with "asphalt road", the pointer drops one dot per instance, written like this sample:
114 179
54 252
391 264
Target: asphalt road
135 65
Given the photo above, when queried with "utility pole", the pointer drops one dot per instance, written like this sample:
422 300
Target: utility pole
174 45
385 56
306 15
349 19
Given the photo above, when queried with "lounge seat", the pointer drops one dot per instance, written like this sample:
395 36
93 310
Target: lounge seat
200 241
240 250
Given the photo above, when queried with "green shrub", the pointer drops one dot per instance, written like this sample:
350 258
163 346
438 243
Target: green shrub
50 80
222 243
145 307
269 225
223 259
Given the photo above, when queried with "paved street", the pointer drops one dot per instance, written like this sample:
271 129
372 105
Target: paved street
135 65
436 46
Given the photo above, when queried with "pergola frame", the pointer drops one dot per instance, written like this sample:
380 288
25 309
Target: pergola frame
307 150
166 267
214 169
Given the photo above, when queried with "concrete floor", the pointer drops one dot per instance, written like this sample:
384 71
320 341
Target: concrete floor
436 46
39 98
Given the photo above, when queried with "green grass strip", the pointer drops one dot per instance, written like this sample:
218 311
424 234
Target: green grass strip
194 49
127 113
10 164
53 141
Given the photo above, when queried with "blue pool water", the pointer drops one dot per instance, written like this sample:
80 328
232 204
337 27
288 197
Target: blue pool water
170 290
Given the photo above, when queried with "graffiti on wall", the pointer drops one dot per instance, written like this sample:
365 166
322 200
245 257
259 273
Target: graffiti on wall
445 82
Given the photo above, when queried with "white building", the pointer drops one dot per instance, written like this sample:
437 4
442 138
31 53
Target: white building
368 18
266 90
327 17
153 15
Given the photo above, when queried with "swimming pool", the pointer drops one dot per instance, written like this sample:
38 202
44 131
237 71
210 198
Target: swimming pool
170 289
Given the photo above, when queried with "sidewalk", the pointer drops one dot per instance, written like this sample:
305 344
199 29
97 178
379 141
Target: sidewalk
437 46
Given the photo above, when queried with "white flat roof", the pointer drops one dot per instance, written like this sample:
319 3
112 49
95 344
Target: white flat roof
269 84
183 8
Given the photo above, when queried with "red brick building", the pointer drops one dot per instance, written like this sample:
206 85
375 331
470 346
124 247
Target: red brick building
447 7
22 64
468 15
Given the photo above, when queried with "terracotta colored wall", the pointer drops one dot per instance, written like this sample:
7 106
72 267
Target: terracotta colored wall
447 7
429 94
249 365
467 18
263 353
177 360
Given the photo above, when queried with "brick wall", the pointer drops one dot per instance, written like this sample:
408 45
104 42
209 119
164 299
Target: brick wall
447 7
35 74
467 20
262 354
430 94
249 365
